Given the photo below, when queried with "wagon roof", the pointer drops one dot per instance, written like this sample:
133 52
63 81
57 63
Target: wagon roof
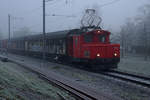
58 34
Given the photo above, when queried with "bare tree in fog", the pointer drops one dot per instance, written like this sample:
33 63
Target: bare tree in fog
134 35
25 31
122 38
126 36
1 35
145 23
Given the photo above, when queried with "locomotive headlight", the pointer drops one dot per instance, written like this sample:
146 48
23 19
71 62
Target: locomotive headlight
115 54
98 55
98 31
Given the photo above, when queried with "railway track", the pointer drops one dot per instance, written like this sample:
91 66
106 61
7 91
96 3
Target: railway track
125 76
80 93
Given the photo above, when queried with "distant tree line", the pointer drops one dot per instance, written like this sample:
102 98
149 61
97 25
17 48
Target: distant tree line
134 35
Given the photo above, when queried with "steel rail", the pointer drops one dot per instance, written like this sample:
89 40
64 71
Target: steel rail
137 79
79 95
131 74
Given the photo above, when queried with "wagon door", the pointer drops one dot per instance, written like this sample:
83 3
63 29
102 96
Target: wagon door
70 46
76 46
26 45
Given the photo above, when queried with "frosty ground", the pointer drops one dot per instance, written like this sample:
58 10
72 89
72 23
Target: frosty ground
98 82
17 83
135 63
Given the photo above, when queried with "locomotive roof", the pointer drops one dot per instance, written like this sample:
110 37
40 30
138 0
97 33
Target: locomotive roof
50 35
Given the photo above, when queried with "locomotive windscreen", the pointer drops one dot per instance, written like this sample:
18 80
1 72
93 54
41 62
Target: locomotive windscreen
102 38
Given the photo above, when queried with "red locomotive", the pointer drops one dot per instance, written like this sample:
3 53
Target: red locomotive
78 45
94 48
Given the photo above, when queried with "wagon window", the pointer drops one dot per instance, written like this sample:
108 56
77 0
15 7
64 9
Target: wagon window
102 38
88 38
76 41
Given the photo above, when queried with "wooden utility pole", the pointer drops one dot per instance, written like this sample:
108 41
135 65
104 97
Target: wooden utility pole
146 43
8 44
146 40
122 42
44 34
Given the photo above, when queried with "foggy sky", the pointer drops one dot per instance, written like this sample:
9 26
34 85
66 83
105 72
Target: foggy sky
113 15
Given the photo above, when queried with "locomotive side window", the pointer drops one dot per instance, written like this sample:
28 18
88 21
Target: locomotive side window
102 38
76 41
88 38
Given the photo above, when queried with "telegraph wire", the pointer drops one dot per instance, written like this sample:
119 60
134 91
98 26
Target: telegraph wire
39 8
103 5
36 9
59 15
55 1
31 11
109 3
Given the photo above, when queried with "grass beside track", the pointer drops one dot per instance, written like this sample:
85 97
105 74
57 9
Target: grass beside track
135 64
17 83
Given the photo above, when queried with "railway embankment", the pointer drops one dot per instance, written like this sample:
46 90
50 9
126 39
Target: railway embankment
110 87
